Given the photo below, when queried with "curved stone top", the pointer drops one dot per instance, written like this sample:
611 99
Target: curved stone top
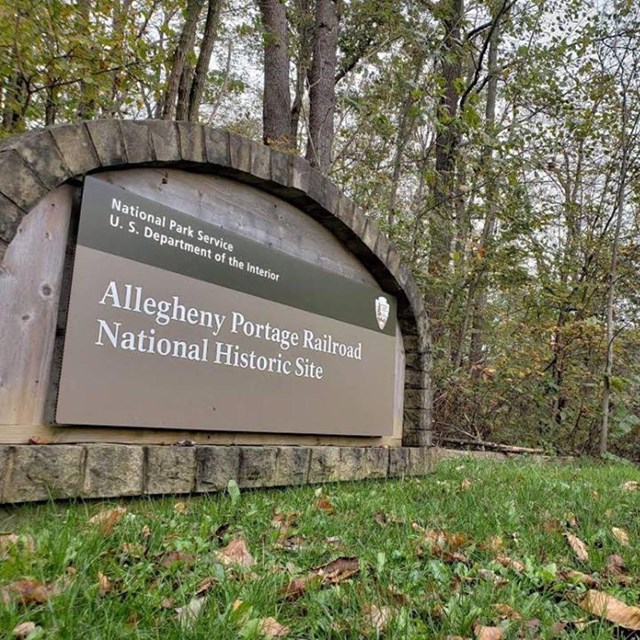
34 163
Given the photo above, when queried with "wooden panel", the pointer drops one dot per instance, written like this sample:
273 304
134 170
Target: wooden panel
244 210
20 434
30 285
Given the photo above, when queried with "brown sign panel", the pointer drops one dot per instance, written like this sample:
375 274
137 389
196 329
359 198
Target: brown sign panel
177 323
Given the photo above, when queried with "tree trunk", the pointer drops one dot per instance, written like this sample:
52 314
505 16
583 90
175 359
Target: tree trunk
276 104
184 92
304 27
322 92
184 46
447 138
214 9
611 279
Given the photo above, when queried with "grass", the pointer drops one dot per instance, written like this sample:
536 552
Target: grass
423 590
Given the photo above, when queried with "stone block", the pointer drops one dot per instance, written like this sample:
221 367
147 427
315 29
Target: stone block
418 343
192 145
375 462
137 141
370 236
164 140
108 141
10 217
292 466
215 466
359 222
344 210
217 147
330 197
170 469
398 462
257 467
113 470
417 361
239 153
17 182
414 399
414 379
261 161
420 461
315 188
351 465
40 153
279 169
76 147
299 173
325 464
44 472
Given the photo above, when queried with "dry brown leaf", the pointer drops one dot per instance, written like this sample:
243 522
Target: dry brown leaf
450 557
615 611
11 540
107 519
104 584
146 532
338 570
579 547
292 543
297 587
506 612
133 549
28 592
324 504
378 617
24 630
617 569
172 557
630 485
271 628
487 633
466 484
181 508
621 536
235 553
284 520
204 587
510 563
188 615
491 576
39 440
167 603
495 543
579 577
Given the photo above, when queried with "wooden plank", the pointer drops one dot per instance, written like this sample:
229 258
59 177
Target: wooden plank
21 433
30 285
245 210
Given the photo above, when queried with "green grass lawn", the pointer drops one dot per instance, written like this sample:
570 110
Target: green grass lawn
433 557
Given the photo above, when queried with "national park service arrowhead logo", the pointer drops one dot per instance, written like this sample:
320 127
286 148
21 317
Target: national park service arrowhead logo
382 311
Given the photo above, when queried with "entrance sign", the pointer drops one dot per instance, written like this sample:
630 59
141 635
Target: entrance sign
177 323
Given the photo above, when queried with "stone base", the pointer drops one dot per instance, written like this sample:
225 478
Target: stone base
30 473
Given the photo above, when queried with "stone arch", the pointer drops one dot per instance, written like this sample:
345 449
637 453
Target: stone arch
35 163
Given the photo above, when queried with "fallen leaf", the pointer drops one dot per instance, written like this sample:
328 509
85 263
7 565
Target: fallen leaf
292 543
579 547
297 587
235 553
491 576
630 485
284 520
617 569
621 536
570 520
28 592
39 440
579 577
107 519
11 540
181 508
338 570
133 549
466 484
271 628
24 630
506 612
324 504
615 611
146 532
172 557
509 563
104 584
167 603
450 557
487 633
204 587
333 540
188 615
378 617
495 543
